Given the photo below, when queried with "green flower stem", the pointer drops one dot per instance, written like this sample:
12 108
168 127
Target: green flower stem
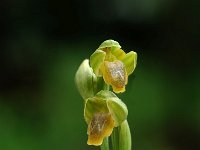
100 85
105 144
106 87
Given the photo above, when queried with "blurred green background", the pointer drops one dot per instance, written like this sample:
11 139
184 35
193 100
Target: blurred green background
43 43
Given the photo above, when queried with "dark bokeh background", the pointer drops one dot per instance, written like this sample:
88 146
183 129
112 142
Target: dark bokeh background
43 42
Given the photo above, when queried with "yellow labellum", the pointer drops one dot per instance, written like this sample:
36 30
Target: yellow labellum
114 73
101 126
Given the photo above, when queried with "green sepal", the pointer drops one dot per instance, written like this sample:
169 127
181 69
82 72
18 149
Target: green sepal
92 106
118 110
109 44
130 61
106 101
85 80
105 95
96 60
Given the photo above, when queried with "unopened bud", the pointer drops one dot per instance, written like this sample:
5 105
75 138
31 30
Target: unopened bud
84 80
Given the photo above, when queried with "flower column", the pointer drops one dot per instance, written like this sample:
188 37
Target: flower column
104 112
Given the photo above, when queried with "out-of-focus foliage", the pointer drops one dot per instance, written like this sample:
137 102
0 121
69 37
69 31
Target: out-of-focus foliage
43 43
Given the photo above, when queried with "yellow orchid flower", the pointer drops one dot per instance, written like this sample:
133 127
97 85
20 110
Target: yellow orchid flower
102 113
111 62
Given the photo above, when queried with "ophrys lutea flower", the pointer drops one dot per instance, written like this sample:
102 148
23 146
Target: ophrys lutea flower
102 113
111 62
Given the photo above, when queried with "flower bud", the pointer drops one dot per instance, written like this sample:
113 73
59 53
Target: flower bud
85 80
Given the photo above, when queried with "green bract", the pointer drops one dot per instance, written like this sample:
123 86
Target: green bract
124 131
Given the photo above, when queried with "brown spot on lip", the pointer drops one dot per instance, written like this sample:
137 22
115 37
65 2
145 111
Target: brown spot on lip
114 73
101 126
